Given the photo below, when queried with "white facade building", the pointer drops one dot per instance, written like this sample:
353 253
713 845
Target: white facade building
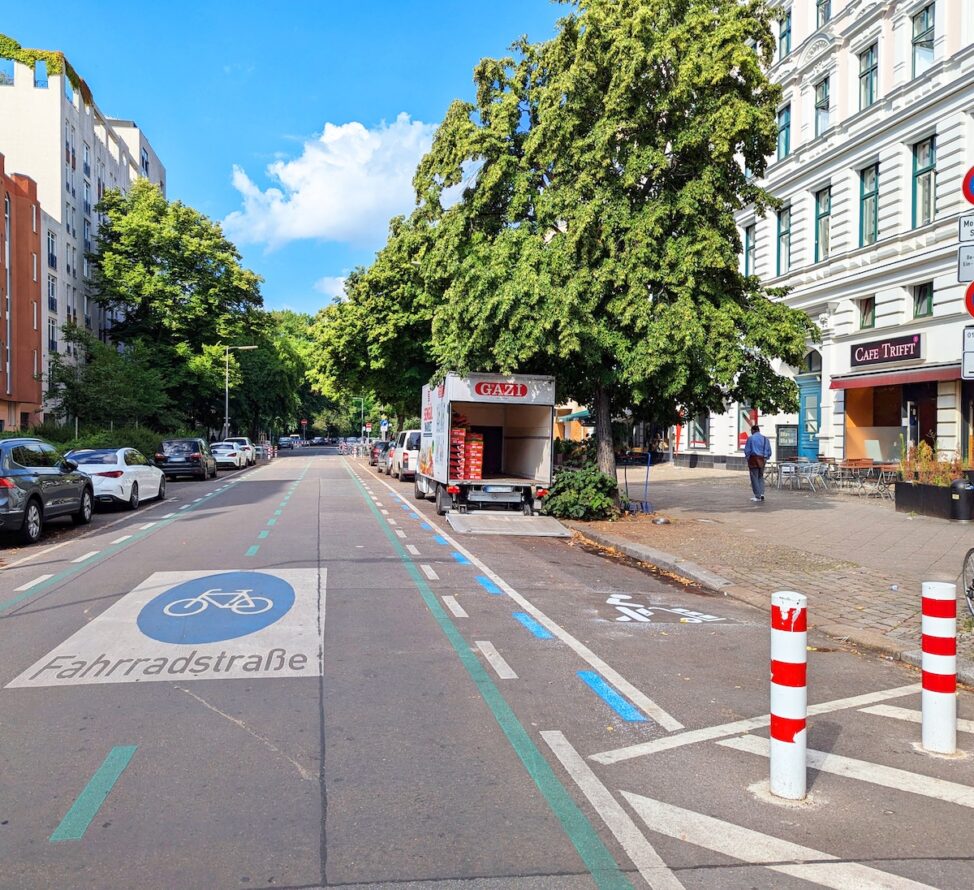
52 131
876 134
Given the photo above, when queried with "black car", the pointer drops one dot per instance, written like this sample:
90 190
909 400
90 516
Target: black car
285 442
37 484
376 451
185 457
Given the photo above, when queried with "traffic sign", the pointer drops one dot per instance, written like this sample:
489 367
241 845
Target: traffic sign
969 299
384 424
965 227
967 186
368 426
967 365
965 263
304 423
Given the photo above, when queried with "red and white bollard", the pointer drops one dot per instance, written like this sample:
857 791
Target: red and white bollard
939 664
789 695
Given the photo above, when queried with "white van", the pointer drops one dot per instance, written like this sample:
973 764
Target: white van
406 456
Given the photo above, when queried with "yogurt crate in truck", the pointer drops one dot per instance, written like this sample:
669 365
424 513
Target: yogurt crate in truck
486 442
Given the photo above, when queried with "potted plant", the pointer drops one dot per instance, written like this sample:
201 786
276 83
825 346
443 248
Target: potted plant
924 484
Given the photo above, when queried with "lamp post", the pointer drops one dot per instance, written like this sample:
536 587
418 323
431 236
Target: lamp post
361 428
226 387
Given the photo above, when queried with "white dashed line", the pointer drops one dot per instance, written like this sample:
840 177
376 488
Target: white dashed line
147 525
384 512
391 521
123 538
429 573
40 579
169 516
400 532
412 548
86 556
495 660
185 506
455 607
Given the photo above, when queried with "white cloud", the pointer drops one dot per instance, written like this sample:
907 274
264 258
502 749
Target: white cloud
331 286
345 186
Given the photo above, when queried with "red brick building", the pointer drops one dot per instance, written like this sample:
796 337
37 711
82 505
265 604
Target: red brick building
20 301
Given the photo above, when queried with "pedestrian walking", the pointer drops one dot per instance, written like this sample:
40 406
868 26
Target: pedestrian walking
757 450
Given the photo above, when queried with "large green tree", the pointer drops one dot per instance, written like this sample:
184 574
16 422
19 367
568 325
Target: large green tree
597 237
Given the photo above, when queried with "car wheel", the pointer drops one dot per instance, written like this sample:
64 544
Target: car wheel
30 531
213 474
134 497
83 516
162 489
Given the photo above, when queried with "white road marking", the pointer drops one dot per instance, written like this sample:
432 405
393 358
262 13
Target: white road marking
169 516
636 696
391 521
912 716
738 726
747 845
40 579
455 607
88 555
412 548
400 532
864 771
384 512
147 525
638 849
123 538
197 500
496 660
429 573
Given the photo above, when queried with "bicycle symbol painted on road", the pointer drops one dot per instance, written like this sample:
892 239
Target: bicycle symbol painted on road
216 607
630 610
240 602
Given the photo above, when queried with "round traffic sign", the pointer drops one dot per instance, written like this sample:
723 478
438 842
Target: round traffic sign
216 607
969 298
967 186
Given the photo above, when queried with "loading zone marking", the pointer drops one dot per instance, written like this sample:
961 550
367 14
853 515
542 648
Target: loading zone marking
629 610
196 626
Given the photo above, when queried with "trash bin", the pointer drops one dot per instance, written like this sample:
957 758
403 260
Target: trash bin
961 500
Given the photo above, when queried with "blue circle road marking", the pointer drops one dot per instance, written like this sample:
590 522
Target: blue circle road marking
216 607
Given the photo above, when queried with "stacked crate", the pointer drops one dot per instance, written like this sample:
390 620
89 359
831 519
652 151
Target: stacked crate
458 457
473 455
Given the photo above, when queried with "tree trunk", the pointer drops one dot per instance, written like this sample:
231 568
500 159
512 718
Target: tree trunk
603 435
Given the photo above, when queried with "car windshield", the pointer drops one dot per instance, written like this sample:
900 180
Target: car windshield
240 441
93 456
223 446
179 446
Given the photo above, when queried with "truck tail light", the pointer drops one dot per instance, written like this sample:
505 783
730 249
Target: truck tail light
111 474
542 492
453 489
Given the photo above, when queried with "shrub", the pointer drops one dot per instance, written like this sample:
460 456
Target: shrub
582 493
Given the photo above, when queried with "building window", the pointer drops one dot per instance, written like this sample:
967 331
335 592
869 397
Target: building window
924 181
823 12
145 162
68 88
923 300
869 205
699 430
923 40
33 217
784 132
40 74
821 106
868 76
867 312
784 35
52 335
52 249
823 222
749 239
51 294
6 72
784 240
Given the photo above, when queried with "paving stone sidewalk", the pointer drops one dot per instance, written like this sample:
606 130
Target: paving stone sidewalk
859 562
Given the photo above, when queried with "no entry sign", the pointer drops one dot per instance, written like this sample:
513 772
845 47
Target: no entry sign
969 298
967 186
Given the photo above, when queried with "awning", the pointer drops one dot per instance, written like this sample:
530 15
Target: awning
575 415
927 374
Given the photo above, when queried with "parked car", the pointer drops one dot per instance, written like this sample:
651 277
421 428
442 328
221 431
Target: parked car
246 446
36 484
285 442
377 449
120 475
318 440
383 464
185 457
406 458
228 455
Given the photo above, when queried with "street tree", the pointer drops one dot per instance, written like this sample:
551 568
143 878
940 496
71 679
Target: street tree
594 236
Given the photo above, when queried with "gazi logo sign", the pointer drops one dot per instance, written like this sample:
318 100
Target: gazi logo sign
501 390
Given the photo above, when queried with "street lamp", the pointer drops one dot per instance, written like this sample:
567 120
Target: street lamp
226 388
361 428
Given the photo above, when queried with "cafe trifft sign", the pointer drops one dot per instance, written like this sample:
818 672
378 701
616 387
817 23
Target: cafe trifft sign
892 349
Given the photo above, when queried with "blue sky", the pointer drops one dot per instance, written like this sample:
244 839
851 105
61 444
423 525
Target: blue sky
341 97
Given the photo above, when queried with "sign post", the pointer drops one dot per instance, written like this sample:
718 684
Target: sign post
967 364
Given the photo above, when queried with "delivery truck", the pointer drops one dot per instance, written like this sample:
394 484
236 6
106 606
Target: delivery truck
487 442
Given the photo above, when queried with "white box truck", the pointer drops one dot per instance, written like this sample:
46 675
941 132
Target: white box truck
508 422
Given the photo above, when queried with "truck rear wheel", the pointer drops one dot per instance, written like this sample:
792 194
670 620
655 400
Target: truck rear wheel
418 492
443 501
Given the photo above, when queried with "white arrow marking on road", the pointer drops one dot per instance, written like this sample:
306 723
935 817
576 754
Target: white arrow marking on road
429 573
912 716
88 555
455 607
751 846
637 848
864 771
40 579
496 660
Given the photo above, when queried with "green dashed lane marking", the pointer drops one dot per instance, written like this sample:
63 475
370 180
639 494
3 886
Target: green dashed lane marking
252 550
263 534
278 512
272 522
76 821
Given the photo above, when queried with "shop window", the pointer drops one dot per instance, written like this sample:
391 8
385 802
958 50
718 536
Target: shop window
821 106
784 35
923 300
784 240
924 181
700 431
749 241
823 223
923 34
823 12
746 418
869 205
867 312
868 76
784 132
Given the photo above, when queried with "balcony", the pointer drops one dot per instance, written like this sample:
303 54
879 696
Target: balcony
52 303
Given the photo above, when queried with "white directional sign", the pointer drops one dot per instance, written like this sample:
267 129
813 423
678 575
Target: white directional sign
967 366
965 227
965 263
196 626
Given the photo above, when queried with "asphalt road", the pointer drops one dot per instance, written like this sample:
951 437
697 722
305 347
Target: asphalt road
298 676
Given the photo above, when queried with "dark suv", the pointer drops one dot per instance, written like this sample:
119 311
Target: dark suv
186 457
36 484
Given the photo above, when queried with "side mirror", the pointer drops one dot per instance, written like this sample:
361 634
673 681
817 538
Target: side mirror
68 465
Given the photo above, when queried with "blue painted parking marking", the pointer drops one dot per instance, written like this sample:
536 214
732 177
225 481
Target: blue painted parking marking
488 585
539 630
460 558
426 527
622 706
440 539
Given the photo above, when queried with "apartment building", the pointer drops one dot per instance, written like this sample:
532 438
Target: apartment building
20 301
52 130
875 134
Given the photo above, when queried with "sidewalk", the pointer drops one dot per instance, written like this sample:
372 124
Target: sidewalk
859 562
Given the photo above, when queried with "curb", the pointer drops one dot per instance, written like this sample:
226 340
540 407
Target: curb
860 637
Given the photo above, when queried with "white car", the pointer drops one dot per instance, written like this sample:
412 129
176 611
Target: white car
246 446
229 454
406 456
120 475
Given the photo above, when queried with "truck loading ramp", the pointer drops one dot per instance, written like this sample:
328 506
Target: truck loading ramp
485 522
